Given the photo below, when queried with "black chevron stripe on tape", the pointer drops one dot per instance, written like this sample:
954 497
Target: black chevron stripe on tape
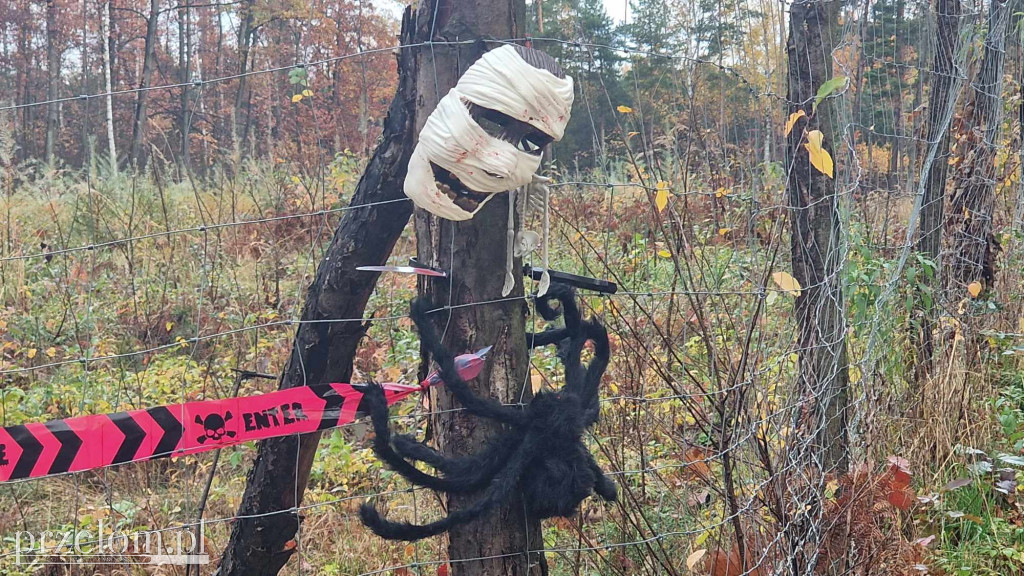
134 435
69 445
31 449
332 411
172 428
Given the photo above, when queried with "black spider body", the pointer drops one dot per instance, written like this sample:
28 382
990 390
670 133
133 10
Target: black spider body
541 455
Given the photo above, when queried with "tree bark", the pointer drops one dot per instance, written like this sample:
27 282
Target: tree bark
934 173
138 154
107 82
323 351
53 54
820 443
504 541
240 112
184 68
972 205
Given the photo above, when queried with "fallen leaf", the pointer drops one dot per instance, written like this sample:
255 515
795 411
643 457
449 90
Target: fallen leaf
786 281
724 231
31 353
297 98
624 109
307 93
925 541
692 559
695 466
442 570
169 326
51 351
820 158
974 288
410 549
664 253
956 484
792 120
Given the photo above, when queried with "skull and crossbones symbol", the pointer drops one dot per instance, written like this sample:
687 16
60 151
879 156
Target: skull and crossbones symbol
213 427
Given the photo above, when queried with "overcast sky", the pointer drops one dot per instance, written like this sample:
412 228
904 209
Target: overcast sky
616 9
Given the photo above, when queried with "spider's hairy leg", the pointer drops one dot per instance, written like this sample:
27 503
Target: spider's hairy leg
482 407
568 310
588 386
474 471
500 490
375 401
603 485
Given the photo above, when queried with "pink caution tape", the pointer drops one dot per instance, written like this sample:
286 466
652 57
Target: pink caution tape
94 441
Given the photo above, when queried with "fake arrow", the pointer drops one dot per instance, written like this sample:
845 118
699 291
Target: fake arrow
95 441
403 270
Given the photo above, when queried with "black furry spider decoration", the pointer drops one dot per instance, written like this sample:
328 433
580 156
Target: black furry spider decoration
541 454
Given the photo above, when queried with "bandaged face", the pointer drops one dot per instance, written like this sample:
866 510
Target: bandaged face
487 134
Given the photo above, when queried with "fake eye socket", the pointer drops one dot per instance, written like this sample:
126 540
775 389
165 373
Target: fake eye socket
534 142
499 125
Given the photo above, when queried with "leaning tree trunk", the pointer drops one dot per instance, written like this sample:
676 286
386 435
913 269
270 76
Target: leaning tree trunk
819 443
137 154
933 174
503 541
323 351
973 245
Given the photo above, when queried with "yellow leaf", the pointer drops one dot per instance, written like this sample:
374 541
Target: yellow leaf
51 351
307 92
974 288
724 231
31 353
661 198
820 158
788 284
631 134
297 98
624 109
792 120
169 326
536 382
692 559
614 388
410 549
664 253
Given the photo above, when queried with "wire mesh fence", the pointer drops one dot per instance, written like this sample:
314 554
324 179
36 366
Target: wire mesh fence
755 423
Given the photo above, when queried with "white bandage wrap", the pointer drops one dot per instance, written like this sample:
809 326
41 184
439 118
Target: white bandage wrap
500 80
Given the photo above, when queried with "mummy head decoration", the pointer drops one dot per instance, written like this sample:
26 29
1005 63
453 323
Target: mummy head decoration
486 135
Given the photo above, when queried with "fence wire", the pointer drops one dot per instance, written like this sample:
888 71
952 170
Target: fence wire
127 287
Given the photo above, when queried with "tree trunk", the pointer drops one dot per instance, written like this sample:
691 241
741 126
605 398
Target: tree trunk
53 54
184 69
323 351
1018 214
896 146
504 541
239 112
107 82
934 172
973 246
820 443
138 154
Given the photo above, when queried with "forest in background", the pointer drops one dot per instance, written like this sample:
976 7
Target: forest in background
759 282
